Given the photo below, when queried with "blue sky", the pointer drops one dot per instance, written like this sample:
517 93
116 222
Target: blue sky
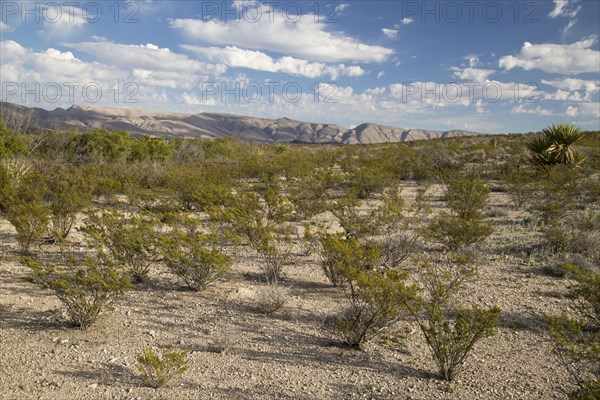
488 66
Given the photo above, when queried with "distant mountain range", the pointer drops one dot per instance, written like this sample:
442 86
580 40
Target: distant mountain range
214 125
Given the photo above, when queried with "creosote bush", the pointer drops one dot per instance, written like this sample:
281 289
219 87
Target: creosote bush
273 258
159 368
312 233
27 211
84 286
339 254
577 234
518 182
309 189
464 226
467 197
375 296
354 222
576 337
385 226
199 188
456 233
11 144
12 172
131 242
397 239
253 193
259 223
554 193
193 257
450 330
69 193
375 300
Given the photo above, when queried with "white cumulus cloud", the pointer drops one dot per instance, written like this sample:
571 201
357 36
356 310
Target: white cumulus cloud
568 59
20 64
390 33
564 8
472 74
233 56
539 111
584 109
305 38
147 56
61 21
573 84
4 27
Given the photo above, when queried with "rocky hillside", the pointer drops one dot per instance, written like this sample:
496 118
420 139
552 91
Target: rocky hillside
214 125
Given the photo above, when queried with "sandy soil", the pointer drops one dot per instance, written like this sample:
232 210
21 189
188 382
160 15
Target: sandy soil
289 355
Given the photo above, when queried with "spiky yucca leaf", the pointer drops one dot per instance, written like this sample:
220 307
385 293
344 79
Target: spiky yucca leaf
538 146
554 146
15 169
566 134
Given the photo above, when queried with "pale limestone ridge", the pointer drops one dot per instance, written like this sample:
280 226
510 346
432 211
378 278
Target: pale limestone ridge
216 125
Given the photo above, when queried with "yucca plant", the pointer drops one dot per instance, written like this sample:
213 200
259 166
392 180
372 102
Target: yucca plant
16 169
555 146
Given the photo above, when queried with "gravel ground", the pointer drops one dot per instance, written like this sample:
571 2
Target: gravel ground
289 355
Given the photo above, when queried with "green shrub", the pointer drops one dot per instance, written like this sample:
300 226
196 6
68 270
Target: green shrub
11 144
451 343
421 205
69 193
27 211
467 197
194 259
340 254
84 286
375 296
130 242
576 337
376 300
554 192
150 148
308 192
155 199
518 183
199 188
97 146
108 188
273 257
258 222
355 223
463 226
277 208
578 234
244 218
396 239
12 172
311 237
456 233
451 331
366 175
159 368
